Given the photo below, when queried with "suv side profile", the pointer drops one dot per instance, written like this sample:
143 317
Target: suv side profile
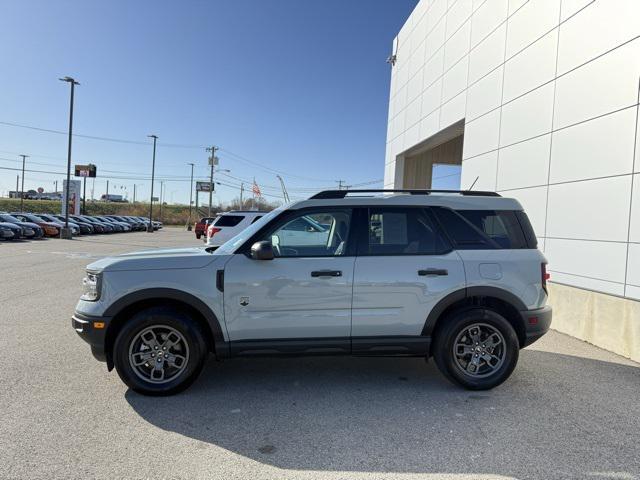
456 276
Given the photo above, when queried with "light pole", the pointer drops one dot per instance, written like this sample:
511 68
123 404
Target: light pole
22 187
153 171
65 232
190 197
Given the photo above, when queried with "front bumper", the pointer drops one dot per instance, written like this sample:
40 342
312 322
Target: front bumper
92 330
536 323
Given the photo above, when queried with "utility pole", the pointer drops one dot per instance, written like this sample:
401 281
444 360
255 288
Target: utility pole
56 182
134 193
106 199
212 161
153 171
66 231
17 184
190 197
241 192
22 188
340 183
161 197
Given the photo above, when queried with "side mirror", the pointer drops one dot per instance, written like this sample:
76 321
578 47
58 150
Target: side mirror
262 250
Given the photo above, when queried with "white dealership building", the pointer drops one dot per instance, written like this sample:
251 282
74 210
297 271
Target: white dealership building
537 100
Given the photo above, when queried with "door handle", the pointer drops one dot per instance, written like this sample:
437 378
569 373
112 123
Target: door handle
326 273
433 272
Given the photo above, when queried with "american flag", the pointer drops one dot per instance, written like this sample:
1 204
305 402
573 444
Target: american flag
256 189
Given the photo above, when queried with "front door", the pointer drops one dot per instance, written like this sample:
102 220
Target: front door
303 294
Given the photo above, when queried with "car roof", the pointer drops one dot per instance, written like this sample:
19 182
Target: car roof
401 199
244 212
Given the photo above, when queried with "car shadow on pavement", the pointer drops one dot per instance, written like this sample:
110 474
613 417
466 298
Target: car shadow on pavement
558 416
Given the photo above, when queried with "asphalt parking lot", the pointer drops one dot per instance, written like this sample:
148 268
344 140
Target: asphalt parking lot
570 410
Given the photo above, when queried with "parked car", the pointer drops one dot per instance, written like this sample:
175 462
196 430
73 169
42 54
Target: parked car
50 229
75 229
457 277
156 225
84 227
136 225
10 231
98 225
30 230
229 224
121 226
200 227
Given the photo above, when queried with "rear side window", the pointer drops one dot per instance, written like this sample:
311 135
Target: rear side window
403 231
485 229
228 220
256 219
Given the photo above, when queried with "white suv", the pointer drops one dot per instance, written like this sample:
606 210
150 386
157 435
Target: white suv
452 275
228 225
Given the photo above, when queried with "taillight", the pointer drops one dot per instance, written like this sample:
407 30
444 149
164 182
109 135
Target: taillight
212 231
545 276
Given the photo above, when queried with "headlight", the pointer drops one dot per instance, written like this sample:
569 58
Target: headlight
92 284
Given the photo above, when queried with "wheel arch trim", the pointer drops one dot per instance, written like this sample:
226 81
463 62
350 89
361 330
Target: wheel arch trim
220 344
469 292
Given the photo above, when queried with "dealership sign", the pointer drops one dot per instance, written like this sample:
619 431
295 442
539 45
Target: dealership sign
204 187
85 171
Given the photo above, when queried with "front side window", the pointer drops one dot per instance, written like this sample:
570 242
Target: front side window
403 231
312 234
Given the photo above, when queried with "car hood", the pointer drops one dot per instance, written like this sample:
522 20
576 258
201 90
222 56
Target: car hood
10 225
159 259
28 225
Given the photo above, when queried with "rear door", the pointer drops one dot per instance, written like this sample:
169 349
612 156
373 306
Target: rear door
404 267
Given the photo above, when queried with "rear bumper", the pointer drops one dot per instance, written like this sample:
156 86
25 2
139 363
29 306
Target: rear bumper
93 331
536 323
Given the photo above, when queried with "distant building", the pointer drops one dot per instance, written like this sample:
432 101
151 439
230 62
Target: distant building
537 100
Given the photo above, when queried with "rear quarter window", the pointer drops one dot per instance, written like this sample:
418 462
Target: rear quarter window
228 220
487 229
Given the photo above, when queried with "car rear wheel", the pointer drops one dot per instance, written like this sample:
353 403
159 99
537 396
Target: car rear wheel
476 348
159 351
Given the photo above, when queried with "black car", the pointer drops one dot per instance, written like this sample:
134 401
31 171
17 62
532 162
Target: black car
136 225
29 230
84 227
10 231
106 228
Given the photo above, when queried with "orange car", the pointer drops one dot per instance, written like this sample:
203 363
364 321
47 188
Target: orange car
50 228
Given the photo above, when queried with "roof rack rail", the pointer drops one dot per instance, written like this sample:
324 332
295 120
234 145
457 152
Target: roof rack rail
333 194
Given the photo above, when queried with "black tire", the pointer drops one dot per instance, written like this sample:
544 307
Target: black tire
450 366
161 317
198 235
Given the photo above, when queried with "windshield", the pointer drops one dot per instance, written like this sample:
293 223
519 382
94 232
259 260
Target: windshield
233 243
31 218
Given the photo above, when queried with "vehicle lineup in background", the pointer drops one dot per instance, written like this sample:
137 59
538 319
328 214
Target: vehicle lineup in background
456 276
32 226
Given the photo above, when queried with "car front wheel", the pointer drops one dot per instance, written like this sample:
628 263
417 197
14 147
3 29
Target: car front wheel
159 351
476 348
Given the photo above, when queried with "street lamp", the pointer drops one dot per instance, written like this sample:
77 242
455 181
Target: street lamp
190 197
153 171
65 232
22 187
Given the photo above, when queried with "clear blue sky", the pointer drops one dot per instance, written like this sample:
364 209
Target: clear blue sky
300 87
